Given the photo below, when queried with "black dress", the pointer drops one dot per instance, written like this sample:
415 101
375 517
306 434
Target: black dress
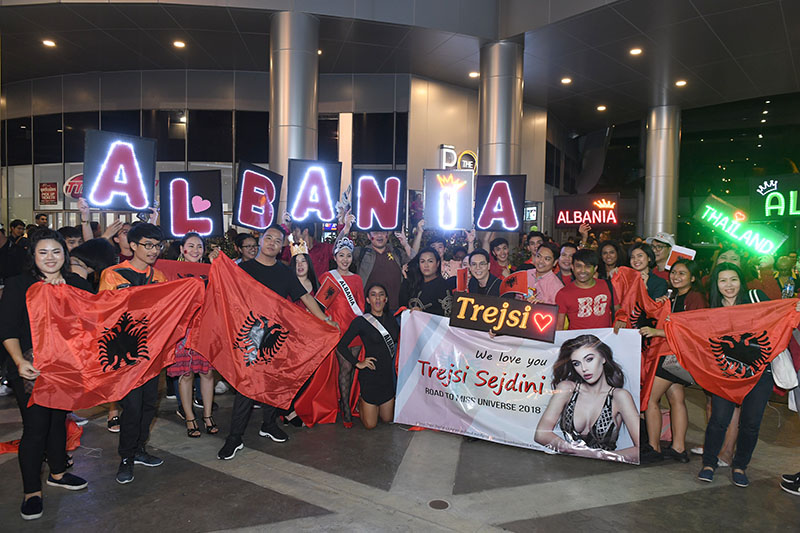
377 386
432 297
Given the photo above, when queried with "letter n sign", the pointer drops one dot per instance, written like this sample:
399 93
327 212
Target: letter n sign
379 199
258 192
499 202
119 171
191 202
313 190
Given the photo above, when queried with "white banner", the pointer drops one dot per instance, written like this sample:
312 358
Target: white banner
579 396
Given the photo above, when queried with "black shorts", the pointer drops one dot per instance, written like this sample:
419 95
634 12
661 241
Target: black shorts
663 374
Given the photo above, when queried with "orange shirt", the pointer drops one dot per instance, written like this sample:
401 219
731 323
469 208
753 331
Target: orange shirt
124 275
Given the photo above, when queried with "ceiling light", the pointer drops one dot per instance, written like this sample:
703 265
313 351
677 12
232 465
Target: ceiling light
767 101
319 52
765 112
763 120
759 146
760 136
179 44
680 83
49 43
701 140
182 120
601 108
474 74
635 51
566 80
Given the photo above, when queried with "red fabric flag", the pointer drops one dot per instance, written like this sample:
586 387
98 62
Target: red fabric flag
462 280
182 269
727 348
263 346
626 282
96 348
516 283
319 402
327 292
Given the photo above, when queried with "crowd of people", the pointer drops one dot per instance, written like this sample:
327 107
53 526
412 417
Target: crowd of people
379 274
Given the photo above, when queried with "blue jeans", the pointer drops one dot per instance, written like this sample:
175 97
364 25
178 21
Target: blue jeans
749 423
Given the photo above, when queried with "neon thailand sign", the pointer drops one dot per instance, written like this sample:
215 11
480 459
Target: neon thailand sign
733 223
598 210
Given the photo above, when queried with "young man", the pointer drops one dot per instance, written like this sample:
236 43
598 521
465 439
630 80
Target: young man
500 264
481 280
41 220
72 236
662 244
787 282
587 302
273 274
139 405
542 282
565 262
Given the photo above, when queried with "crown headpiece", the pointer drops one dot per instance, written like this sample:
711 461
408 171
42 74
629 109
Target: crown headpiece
299 247
767 187
342 244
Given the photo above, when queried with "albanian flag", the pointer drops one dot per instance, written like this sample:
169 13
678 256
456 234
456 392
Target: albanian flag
516 283
96 348
264 346
182 269
727 348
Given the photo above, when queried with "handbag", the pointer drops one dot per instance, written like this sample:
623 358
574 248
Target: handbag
783 373
672 366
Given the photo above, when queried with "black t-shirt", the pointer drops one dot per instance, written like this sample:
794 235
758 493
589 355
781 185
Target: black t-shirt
432 297
279 278
492 287
15 323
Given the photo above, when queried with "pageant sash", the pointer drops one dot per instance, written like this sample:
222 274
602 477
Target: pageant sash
382 330
351 299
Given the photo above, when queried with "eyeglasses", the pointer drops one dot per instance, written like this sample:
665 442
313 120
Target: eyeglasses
149 245
481 264
659 247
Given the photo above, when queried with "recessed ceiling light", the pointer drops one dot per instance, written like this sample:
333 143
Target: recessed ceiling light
701 140
566 80
601 108
767 101
474 74
763 120
179 44
635 51
759 146
49 43
319 52
765 112
680 83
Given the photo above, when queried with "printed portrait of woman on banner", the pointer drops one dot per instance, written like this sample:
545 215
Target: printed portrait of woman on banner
589 405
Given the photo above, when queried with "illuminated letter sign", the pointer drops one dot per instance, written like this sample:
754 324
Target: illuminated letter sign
257 194
191 202
119 171
597 210
733 224
499 202
379 199
775 198
313 190
504 316
448 198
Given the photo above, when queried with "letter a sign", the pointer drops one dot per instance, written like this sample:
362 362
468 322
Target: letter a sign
313 190
499 202
119 171
379 199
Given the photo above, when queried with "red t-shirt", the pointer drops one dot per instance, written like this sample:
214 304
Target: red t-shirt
495 269
586 308
663 274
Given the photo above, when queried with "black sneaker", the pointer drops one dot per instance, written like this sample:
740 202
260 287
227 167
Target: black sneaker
791 478
31 508
229 450
681 457
791 488
649 456
125 471
68 481
273 432
145 459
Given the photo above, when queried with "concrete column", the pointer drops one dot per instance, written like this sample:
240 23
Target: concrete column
500 129
661 170
294 75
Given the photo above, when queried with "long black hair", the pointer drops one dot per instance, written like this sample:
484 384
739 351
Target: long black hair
367 309
415 278
44 234
715 297
97 254
694 272
602 273
643 246
312 276
563 369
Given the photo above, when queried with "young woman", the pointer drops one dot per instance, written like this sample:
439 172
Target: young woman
188 362
379 331
247 247
687 295
589 404
346 306
611 257
425 289
543 284
643 260
43 429
728 289
303 268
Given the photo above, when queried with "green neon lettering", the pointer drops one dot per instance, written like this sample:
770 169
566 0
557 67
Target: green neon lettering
766 246
747 236
732 230
705 214
721 222
714 216
779 204
793 211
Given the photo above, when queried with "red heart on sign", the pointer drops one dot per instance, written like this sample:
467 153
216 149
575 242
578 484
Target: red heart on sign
542 321
739 216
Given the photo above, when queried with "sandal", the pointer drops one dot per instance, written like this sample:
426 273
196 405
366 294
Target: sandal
113 424
211 427
192 430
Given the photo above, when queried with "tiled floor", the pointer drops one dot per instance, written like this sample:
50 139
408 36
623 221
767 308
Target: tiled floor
331 479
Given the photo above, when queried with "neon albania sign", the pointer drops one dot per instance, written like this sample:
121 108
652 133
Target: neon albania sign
598 210
734 224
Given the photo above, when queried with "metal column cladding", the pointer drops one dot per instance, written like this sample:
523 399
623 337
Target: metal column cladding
661 172
294 74
500 133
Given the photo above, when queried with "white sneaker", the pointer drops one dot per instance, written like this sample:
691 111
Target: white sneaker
79 420
221 387
697 450
5 390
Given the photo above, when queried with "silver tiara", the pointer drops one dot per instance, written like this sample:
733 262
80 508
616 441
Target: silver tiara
343 243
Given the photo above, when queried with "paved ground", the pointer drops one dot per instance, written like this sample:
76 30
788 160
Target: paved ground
331 479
